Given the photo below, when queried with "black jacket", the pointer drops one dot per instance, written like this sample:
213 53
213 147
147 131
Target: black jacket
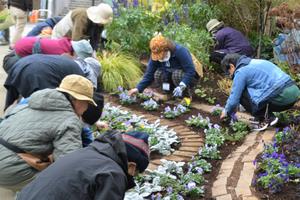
37 72
25 5
97 172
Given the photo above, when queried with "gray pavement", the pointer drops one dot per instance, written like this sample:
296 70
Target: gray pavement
3 51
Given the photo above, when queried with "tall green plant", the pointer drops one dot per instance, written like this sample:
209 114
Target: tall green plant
196 40
133 29
119 69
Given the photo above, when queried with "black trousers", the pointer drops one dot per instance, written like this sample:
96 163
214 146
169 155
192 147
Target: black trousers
264 110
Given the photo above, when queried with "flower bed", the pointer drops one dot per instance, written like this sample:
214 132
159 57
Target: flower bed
161 138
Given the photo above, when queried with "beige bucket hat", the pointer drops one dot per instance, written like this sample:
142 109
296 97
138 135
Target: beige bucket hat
78 87
212 24
101 14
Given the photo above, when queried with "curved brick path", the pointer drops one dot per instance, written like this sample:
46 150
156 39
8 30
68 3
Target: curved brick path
190 141
236 173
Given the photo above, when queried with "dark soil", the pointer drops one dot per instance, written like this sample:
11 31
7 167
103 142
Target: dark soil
225 150
209 83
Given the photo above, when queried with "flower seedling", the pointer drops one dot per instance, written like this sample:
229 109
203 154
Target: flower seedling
150 105
198 121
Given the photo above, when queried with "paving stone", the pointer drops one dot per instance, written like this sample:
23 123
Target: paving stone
176 158
186 132
227 165
219 190
191 139
234 156
224 173
241 149
250 198
248 166
241 191
156 161
192 144
220 181
224 197
152 166
268 135
191 136
190 149
182 129
184 153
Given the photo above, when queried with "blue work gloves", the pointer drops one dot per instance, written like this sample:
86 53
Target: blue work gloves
177 92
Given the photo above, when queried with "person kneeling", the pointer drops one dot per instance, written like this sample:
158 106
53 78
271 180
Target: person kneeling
260 87
103 170
171 65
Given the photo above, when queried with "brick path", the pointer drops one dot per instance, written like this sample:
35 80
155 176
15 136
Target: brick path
236 173
190 141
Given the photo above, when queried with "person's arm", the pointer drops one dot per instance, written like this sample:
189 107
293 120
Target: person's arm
187 64
148 77
67 138
110 186
238 87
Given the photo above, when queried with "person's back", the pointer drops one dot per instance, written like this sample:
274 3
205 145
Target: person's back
36 72
25 46
231 40
37 128
103 172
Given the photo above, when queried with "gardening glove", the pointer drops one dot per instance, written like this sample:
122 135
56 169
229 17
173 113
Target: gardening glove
177 92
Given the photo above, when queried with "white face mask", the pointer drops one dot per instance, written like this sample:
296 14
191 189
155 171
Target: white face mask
165 59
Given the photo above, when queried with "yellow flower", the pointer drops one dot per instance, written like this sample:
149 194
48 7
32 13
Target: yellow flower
187 101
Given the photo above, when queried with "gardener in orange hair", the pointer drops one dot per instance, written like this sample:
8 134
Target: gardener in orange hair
170 66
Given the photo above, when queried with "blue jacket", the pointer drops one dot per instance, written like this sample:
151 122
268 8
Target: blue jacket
261 78
180 59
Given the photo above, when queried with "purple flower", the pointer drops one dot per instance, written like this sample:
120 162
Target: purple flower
176 17
169 190
135 3
120 88
191 185
254 162
233 117
199 170
179 197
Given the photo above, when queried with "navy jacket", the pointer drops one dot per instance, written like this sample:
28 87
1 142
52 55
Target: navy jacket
98 172
39 27
37 72
230 40
180 59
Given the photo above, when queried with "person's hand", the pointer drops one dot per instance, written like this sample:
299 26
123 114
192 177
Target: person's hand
133 91
223 115
177 92
101 125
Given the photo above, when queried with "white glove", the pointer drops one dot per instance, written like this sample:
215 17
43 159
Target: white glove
177 92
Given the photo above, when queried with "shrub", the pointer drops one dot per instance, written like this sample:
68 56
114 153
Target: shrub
119 69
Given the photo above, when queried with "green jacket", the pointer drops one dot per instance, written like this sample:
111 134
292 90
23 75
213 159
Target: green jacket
6 19
46 125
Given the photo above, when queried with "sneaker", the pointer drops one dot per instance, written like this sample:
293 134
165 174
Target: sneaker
260 127
273 121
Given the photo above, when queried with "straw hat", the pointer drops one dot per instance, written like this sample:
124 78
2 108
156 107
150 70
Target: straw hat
212 24
158 46
101 14
78 87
